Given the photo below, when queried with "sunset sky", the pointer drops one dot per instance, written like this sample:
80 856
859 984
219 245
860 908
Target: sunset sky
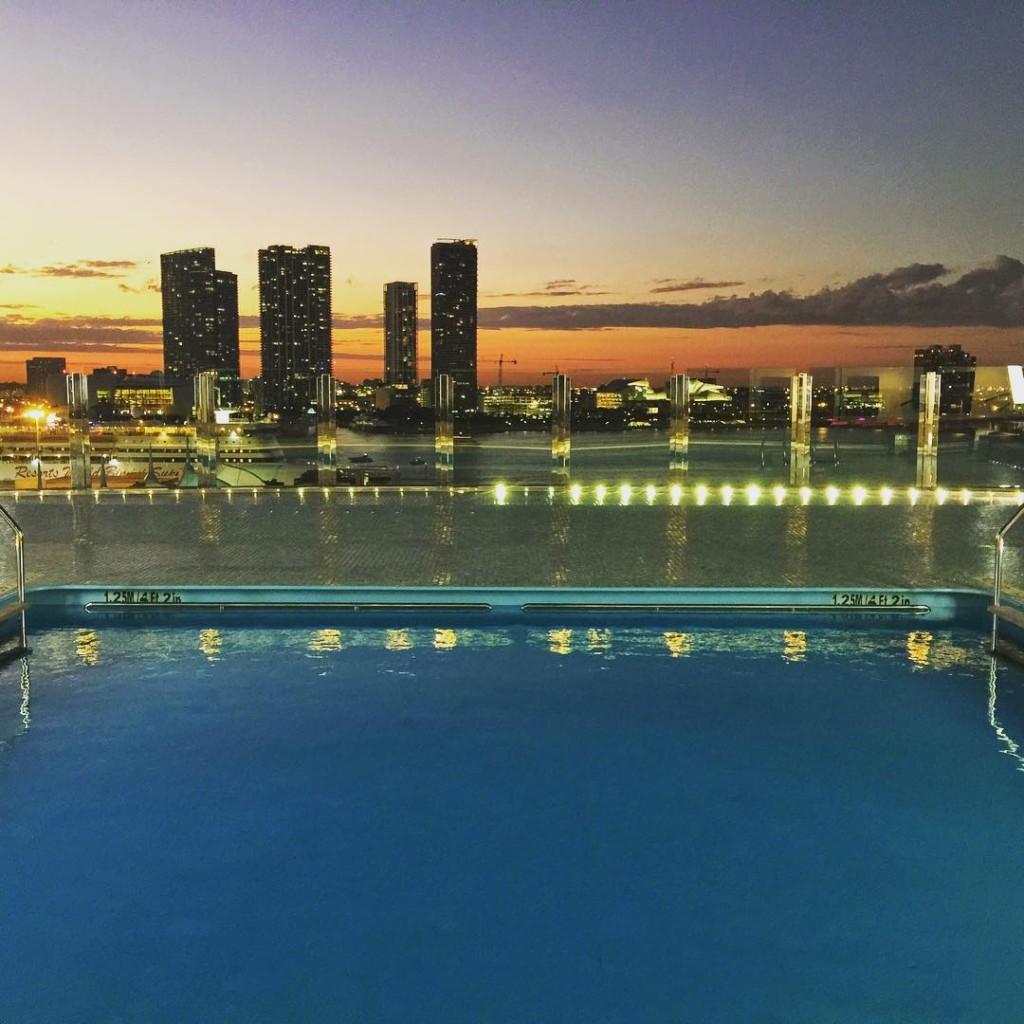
619 164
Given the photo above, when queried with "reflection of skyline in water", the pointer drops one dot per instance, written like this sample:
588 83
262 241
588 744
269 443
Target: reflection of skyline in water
935 650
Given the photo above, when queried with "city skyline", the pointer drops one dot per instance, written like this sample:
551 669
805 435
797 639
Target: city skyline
621 166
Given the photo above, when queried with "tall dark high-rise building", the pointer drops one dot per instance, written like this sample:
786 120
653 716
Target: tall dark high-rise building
957 369
200 305
295 325
453 316
44 376
400 333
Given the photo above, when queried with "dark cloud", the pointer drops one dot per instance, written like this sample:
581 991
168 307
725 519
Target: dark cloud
696 284
77 268
907 296
80 333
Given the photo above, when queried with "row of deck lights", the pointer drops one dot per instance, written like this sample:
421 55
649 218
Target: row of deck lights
753 494
626 494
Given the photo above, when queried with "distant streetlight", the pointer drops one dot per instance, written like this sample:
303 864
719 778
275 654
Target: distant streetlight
38 416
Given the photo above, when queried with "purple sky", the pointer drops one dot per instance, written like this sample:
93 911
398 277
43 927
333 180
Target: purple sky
619 147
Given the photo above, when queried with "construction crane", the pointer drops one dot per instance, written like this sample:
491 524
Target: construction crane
501 361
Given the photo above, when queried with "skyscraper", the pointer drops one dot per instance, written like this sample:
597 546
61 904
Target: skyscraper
200 305
295 325
453 316
400 333
45 376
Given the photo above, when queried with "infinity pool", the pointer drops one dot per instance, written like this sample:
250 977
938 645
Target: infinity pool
662 821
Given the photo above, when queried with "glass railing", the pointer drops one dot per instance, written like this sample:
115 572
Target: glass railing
862 428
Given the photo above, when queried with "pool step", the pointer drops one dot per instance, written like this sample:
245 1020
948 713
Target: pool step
1007 614
1005 648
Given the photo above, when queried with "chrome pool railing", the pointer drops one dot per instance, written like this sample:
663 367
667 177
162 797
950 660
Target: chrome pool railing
17 608
998 609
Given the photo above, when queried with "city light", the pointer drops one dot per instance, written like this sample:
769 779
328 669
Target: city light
805 495
650 494
500 494
965 496
913 494
753 494
886 495
575 492
831 494
941 495
779 494
625 493
859 494
727 495
676 494
600 492
702 494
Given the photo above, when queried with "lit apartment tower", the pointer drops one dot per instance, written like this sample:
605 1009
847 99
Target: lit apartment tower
453 316
200 318
400 333
295 325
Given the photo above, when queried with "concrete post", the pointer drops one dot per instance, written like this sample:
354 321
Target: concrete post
679 424
207 441
444 430
78 431
561 429
800 429
326 432
928 430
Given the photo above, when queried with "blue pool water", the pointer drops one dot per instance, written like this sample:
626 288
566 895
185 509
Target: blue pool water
645 823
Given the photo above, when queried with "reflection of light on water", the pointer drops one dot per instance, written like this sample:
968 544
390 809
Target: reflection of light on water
1009 746
445 639
679 644
794 645
326 640
210 643
599 641
560 641
919 645
87 646
397 640
26 692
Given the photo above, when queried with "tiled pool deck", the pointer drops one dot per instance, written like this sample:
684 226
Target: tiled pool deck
385 538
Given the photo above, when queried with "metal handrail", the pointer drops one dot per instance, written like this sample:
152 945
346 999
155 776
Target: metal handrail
997 586
19 550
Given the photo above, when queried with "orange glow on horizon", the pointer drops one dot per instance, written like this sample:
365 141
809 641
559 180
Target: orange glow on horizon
594 356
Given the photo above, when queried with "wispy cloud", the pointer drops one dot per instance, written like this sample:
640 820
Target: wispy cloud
992 295
77 268
152 285
695 284
562 287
